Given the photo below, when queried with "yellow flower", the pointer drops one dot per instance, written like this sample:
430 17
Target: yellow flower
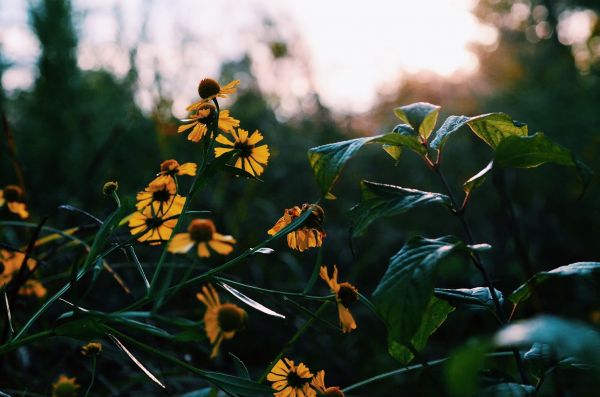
345 295
221 320
12 196
65 387
251 158
290 380
170 168
161 194
310 235
201 117
33 287
155 228
10 264
209 89
318 383
202 232
91 348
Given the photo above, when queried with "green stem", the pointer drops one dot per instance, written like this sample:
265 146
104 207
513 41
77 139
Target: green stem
87 392
15 344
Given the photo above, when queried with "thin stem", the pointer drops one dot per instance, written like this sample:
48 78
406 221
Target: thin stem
87 392
15 344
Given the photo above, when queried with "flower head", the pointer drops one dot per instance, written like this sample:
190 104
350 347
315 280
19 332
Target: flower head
291 380
251 158
10 264
318 383
221 320
201 117
109 187
202 232
65 387
170 168
152 226
310 235
209 89
91 348
162 194
12 197
345 295
33 287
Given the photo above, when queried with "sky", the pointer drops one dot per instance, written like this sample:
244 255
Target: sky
345 50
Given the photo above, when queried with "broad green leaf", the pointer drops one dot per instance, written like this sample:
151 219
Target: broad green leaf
398 139
535 150
236 385
327 161
406 288
574 269
191 334
421 116
477 180
567 338
449 127
461 371
433 318
472 298
508 390
494 127
381 200
394 151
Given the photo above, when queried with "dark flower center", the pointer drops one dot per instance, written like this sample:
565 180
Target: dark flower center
1 267
169 166
201 230
244 148
295 380
347 294
208 88
210 117
230 318
315 219
12 193
153 223
161 195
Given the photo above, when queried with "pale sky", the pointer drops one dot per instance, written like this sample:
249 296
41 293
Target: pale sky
346 50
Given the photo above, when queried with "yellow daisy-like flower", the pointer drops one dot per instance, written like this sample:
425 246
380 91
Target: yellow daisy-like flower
91 348
10 264
318 383
221 320
251 158
12 197
170 168
290 380
345 295
201 117
155 228
33 288
310 235
209 89
162 194
202 232
65 387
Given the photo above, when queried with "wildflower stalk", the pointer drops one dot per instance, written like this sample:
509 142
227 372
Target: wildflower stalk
476 259
87 392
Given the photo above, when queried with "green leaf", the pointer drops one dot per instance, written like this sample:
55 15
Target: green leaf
449 127
240 367
433 318
421 116
72 325
535 150
492 128
381 200
567 338
206 392
236 385
508 390
327 161
191 334
406 288
472 298
399 139
477 180
461 371
582 269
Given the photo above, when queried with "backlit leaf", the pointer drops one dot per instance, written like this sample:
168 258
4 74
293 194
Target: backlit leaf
421 116
492 128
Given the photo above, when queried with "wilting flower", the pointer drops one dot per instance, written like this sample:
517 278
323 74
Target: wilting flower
203 115
318 383
202 232
209 89
12 197
310 234
221 320
250 158
10 264
345 295
155 228
162 195
91 348
109 187
291 380
170 168
65 387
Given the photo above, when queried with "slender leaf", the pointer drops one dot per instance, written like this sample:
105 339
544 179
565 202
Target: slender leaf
492 128
240 367
421 116
237 385
381 200
477 180
136 361
249 301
